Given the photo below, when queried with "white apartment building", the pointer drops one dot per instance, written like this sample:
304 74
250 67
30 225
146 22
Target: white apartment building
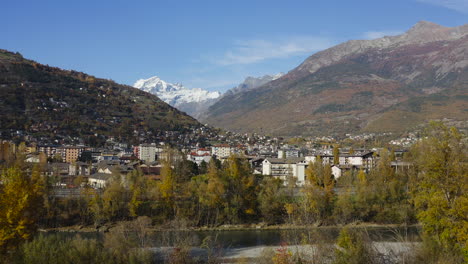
149 152
285 168
221 151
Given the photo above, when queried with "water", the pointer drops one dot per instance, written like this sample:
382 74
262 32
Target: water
252 238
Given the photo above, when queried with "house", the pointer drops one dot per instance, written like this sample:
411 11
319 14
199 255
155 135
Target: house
99 180
32 158
106 156
336 171
284 169
363 160
79 168
153 172
57 169
257 164
128 158
111 167
199 156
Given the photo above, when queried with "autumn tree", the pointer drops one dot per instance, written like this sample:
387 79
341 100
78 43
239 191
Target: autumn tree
381 195
241 189
215 191
167 188
138 188
440 186
20 203
336 154
319 196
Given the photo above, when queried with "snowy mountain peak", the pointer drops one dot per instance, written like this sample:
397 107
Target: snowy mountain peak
184 99
155 85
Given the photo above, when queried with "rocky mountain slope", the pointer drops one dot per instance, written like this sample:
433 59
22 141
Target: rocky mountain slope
192 101
387 84
49 101
252 82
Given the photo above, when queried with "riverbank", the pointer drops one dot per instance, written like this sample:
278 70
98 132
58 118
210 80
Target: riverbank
243 227
392 251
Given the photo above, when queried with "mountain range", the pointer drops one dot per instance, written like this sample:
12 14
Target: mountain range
192 101
196 101
49 101
252 82
389 84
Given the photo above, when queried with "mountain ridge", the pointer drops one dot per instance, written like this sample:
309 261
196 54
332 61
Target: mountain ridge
49 101
359 86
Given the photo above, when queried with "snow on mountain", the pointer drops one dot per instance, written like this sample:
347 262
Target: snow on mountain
196 101
174 94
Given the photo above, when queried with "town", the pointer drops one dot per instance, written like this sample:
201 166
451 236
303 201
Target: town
267 156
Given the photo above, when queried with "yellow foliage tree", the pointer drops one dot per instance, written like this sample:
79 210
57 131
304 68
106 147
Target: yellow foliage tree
441 186
318 192
167 187
20 203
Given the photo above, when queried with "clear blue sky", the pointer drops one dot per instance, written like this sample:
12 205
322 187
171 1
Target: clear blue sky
206 44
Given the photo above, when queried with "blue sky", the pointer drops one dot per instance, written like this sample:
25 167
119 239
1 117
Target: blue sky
207 44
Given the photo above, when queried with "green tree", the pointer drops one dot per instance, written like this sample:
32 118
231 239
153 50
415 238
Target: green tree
203 168
241 189
115 200
381 195
271 200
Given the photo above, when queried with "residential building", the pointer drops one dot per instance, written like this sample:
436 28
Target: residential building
99 180
149 152
284 169
199 155
288 153
70 154
49 150
364 160
221 150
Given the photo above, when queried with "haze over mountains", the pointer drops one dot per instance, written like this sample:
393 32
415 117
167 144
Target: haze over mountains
386 84
252 82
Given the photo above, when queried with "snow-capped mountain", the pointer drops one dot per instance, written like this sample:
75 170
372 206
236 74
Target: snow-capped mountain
192 101
174 94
